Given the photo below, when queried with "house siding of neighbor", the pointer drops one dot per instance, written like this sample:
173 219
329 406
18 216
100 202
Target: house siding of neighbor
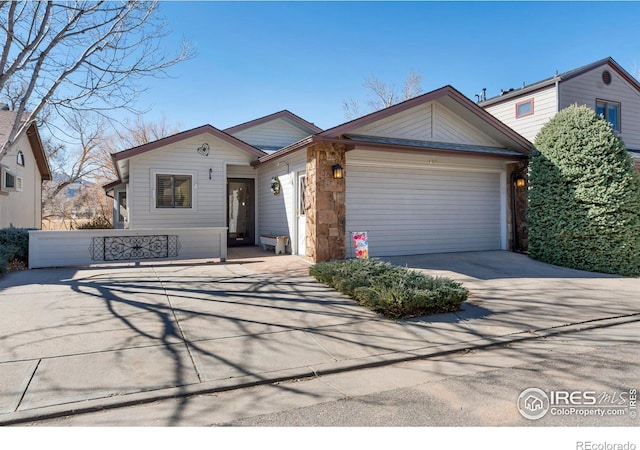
23 167
603 81
431 174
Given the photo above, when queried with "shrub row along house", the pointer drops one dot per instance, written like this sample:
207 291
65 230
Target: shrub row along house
437 173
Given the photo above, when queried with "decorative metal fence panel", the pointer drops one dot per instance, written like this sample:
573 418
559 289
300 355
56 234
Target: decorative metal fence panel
126 248
82 247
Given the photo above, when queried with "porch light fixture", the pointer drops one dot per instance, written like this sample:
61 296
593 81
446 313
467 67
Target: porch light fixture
520 182
338 172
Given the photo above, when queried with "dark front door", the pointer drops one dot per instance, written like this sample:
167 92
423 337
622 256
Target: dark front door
240 211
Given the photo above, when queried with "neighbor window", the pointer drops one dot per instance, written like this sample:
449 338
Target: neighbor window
10 182
524 109
20 158
173 191
610 111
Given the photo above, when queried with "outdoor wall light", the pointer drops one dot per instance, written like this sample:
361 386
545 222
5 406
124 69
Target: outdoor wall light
338 172
520 182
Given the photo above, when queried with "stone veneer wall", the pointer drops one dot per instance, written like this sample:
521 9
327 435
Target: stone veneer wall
325 203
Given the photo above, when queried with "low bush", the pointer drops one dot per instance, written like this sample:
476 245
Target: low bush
97 223
14 248
395 292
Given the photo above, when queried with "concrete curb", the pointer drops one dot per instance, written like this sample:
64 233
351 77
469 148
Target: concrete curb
209 387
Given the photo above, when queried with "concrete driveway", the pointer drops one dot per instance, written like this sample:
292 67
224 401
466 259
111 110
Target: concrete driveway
77 339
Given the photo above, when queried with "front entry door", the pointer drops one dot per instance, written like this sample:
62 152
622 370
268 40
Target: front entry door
240 212
301 213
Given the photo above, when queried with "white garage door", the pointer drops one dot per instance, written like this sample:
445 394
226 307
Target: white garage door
410 211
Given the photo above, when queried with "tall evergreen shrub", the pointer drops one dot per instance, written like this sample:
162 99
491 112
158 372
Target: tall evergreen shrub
584 196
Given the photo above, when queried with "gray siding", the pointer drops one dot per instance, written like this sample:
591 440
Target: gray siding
277 212
584 89
544 108
275 133
209 202
428 122
411 204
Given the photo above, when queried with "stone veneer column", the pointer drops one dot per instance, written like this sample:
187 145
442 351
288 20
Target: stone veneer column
325 203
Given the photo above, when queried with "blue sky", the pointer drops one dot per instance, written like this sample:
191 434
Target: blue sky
256 58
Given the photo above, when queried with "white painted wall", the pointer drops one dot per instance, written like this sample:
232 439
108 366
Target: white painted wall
545 106
277 212
275 133
71 248
209 195
22 209
412 204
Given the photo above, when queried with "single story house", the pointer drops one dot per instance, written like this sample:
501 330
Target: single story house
436 173
23 168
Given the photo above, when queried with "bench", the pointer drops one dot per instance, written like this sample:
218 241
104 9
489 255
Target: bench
278 242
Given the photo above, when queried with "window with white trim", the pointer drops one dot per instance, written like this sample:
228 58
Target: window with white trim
174 191
20 158
610 111
11 182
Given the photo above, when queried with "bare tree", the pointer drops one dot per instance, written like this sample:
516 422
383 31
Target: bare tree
138 132
78 56
82 165
89 159
382 95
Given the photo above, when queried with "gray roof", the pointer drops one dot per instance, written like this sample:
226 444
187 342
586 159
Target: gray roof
511 93
7 119
433 145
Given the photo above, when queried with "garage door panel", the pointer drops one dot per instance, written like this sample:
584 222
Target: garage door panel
423 211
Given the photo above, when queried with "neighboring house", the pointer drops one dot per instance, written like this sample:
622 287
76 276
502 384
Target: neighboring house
23 168
431 174
603 86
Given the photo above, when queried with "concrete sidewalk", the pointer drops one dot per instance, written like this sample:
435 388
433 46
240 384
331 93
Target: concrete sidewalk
83 339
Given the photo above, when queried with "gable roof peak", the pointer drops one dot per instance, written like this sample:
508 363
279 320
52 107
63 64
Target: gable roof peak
285 113
560 77
128 153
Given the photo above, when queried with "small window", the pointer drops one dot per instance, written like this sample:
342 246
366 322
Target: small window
610 111
20 159
173 191
10 182
524 109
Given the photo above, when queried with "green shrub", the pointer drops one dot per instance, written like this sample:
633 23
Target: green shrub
14 246
97 223
584 196
395 292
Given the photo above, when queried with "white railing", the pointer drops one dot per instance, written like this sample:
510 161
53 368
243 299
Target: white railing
83 247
